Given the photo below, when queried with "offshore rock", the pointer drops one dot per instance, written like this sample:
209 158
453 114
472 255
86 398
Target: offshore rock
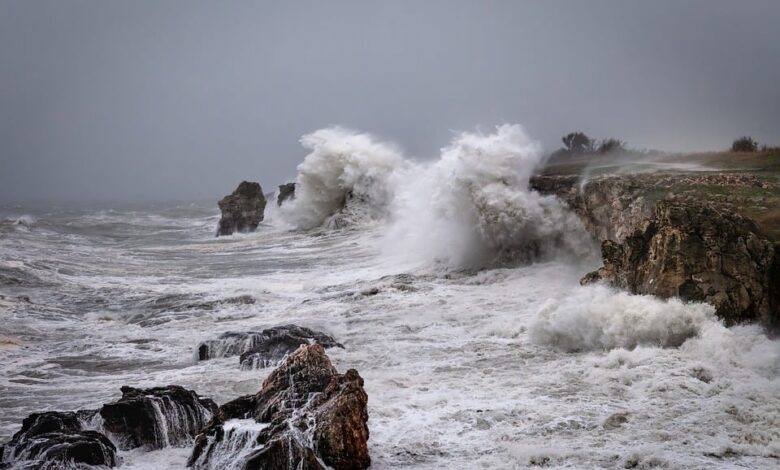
698 253
307 416
157 417
263 348
55 440
286 191
243 210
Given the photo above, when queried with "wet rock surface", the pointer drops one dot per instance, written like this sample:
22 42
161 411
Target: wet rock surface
286 191
54 439
155 418
306 416
698 253
242 210
680 236
263 348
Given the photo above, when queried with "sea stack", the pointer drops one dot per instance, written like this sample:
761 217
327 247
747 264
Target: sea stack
243 210
286 191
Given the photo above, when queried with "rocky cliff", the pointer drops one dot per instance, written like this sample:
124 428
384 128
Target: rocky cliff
682 235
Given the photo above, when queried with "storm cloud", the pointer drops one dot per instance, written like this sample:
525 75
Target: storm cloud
147 100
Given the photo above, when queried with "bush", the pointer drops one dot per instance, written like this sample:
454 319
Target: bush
578 142
744 144
611 145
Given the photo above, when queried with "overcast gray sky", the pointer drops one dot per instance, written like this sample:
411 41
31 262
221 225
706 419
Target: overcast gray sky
150 100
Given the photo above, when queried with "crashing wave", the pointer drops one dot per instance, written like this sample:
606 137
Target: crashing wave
597 317
474 207
347 176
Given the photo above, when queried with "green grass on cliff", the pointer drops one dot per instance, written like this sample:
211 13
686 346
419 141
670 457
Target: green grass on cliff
754 190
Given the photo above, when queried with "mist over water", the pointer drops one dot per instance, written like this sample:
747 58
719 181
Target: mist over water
453 287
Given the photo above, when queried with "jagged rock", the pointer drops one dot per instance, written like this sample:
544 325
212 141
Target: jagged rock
243 210
699 253
263 348
54 439
286 191
155 418
306 416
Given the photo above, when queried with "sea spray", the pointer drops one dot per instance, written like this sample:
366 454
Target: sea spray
344 168
598 317
473 207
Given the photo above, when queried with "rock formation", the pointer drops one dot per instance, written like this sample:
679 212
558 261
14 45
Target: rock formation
54 439
263 348
698 253
307 416
243 210
661 241
286 191
155 418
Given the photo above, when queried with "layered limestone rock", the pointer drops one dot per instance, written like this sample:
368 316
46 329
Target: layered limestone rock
307 416
243 210
661 241
698 253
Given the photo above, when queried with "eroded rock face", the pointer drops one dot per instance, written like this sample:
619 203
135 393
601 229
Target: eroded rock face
698 253
264 348
286 191
306 416
243 210
155 418
54 439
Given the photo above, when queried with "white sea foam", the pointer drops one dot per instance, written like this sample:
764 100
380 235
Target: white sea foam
343 166
473 206
597 317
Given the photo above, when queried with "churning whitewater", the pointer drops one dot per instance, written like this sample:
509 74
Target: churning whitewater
453 288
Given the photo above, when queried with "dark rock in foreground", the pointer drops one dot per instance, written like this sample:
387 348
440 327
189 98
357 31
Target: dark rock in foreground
155 418
243 210
698 253
306 416
263 348
286 191
55 439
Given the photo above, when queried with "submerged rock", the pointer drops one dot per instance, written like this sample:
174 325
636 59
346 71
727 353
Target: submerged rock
55 439
263 348
286 191
698 253
155 418
306 416
243 210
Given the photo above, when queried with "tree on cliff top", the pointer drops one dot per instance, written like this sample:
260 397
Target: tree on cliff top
577 142
744 144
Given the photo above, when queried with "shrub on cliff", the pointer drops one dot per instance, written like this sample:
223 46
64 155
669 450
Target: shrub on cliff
610 146
578 143
744 144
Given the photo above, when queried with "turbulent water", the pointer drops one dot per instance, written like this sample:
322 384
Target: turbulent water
453 288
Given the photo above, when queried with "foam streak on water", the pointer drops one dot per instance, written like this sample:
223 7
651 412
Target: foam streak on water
504 367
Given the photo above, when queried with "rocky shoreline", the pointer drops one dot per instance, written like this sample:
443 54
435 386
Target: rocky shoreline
670 235
306 416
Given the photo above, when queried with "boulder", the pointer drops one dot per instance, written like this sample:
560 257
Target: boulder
155 418
54 439
306 416
243 210
286 191
698 253
264 348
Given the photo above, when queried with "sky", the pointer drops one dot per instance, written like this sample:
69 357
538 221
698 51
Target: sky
181 100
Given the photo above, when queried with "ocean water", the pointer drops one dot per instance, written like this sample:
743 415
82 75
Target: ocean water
457 299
